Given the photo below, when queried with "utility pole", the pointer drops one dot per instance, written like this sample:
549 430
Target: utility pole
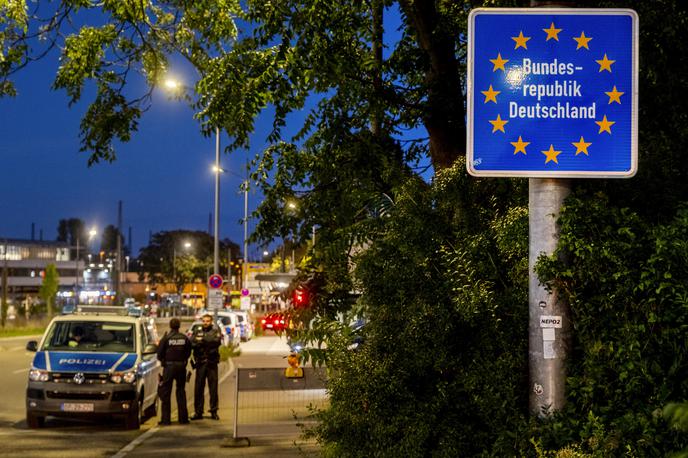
548 347
3 305
118 260
244 267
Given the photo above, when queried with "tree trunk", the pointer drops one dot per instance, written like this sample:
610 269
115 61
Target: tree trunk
445 112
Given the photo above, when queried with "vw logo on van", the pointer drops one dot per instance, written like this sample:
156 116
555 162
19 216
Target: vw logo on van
79 378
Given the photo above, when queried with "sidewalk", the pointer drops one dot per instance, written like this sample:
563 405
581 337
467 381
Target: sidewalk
209 438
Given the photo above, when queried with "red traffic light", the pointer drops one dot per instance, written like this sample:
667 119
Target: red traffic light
300 298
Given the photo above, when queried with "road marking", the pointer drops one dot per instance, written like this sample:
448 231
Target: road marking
143 437
19 371
133 444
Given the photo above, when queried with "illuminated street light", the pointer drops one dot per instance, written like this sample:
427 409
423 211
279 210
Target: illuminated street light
186 246
92 233
173 85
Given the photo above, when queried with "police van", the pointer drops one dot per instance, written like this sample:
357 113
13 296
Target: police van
96 362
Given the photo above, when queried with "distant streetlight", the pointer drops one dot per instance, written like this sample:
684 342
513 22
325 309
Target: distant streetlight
92 233
186 246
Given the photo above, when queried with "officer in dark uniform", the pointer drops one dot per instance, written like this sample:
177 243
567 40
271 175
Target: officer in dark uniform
206 341
173 352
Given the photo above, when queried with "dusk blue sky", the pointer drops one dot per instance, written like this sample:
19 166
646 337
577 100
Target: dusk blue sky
162 175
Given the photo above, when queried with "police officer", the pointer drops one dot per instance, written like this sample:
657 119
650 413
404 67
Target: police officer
173 352
206 354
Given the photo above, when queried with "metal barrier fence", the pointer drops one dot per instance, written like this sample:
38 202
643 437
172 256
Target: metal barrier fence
266 402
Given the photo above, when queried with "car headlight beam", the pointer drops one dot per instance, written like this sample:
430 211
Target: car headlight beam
36 375
123 377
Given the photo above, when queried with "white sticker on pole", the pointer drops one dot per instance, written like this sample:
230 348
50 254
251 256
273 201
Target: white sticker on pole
548 349
548 334
550 321
215 299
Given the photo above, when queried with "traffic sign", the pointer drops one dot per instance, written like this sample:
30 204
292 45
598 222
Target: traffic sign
245 303
215 281
552 93
215 299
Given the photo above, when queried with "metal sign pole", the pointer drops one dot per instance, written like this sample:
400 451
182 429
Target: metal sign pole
236 404
544 102
548 324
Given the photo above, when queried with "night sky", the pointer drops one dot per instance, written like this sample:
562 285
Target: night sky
162 176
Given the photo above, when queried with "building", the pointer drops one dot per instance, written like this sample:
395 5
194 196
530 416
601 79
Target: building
24 263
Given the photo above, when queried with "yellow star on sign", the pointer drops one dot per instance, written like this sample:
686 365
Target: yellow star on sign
520 146
615 96
520 40
498 62
581 146
582 41
605 126
551 154
552 32
498 124
491 94
605 64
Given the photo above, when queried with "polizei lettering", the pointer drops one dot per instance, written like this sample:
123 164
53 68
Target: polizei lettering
90 362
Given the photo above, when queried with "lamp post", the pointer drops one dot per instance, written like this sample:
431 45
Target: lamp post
218 170
173 85
186 246
92 233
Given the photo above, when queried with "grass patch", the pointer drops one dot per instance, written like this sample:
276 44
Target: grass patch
20 331
229 352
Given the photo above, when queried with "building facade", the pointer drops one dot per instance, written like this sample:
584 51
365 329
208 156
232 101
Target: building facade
23 264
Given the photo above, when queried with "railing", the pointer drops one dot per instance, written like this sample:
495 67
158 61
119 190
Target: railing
266 402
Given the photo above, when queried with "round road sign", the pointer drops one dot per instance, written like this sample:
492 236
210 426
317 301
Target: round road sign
215 281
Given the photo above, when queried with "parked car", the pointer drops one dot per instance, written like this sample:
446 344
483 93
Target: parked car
245 325
95 362
273 322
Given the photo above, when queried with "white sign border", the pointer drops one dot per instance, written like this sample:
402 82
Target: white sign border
545 173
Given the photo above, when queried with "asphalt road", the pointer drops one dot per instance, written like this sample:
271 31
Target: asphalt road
73 438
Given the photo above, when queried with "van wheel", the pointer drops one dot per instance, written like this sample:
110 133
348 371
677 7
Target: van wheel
34 421
133 419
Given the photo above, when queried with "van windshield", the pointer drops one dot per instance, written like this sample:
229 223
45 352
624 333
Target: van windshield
97 336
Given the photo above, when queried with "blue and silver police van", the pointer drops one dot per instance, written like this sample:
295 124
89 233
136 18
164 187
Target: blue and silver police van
97 362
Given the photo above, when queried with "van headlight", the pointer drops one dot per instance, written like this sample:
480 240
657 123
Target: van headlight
36 375
126 377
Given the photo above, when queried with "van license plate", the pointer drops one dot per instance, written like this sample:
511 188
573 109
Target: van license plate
77 407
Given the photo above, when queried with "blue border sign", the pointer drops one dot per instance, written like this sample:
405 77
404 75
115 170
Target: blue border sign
552 93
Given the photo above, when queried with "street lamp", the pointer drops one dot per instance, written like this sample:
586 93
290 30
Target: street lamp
92 233
173 85
186 246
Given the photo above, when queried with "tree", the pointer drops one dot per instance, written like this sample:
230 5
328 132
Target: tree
49 287
109 240
69 229
442 258
166 259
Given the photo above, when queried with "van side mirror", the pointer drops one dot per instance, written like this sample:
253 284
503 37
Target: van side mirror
150 348
32 345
